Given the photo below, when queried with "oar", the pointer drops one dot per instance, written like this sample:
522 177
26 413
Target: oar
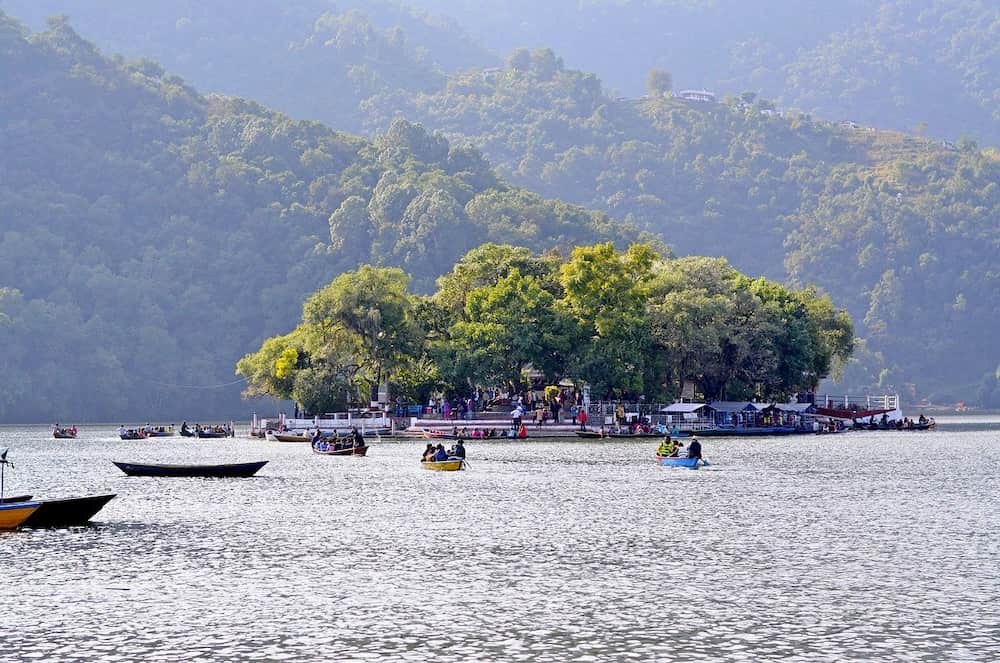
704 462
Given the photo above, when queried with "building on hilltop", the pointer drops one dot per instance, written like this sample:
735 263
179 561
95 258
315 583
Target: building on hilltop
697 95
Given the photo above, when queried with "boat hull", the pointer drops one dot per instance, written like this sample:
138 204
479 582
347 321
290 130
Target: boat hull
211 434
15 498
216 471
63 436
676 461
589 434
67 512
349 451
280 437
163 434
443 465
13 515
132 436
751 432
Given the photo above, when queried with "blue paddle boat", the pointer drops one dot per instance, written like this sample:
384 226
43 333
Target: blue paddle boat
679 461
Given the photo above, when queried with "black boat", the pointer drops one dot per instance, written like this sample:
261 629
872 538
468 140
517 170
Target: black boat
230 470
67 512
14 499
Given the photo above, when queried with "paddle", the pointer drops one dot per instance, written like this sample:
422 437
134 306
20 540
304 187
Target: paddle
705 462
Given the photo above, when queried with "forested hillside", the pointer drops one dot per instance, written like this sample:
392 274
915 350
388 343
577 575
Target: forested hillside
928 66
899 229
910 65
314 59
150 235
902 231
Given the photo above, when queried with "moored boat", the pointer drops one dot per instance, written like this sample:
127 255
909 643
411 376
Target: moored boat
156 470
213 432
290 437
13 515
748 431
450 465
67 512
590 434
15 498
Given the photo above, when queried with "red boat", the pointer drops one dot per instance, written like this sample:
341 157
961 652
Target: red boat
856 407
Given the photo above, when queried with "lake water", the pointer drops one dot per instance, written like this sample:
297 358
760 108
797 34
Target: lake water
860 546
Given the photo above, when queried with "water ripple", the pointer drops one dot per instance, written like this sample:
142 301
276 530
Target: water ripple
855 547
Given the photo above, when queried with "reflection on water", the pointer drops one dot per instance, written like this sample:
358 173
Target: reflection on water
863 546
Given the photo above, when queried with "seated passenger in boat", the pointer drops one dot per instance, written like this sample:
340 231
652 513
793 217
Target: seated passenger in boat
428 453
667 447
458 451
440 454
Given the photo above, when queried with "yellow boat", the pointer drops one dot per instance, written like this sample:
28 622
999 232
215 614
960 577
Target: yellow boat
12 515
450 465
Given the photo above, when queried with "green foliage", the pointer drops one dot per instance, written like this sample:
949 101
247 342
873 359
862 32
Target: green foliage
154 234
629 321
659 82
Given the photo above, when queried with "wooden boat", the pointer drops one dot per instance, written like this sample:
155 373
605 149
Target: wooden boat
213 434
230 470
67 512
637 435
678 461
187 432
15 498
450 465
346 451
590 434
12 515
132 435
161 431
289 437
756 431
64 434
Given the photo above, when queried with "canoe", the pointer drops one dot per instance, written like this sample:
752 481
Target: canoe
450 465
589 434
15 498
678 461
67 512
12 515
231 470
347 451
